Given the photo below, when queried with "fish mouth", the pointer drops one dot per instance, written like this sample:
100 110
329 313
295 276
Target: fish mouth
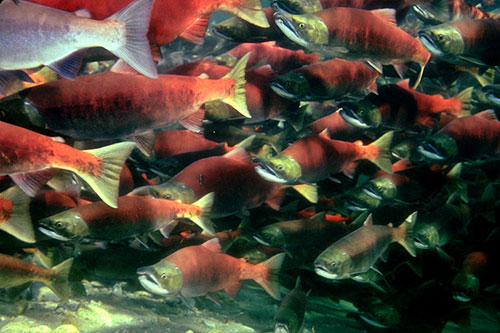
150 283
372 192
269 174
429 44
288 29
259 239
281 328
420 245
429 151
280 90
354 206
48 231
324 272
221 32
279 6
370 319
461 297
352 118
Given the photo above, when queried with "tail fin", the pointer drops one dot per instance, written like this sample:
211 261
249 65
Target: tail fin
271 282
310 192
406 232
250 11
465 98
105 184
246 143
17 212
238 100
203 221
136 50
60 285
381 156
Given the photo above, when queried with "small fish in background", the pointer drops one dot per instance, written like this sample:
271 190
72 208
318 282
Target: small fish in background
290 314
30 41
15 272
196 270
25 152
466 284
442 11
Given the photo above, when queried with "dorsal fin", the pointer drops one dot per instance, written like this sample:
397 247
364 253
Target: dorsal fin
325 133
318 216
213 245
239 154
269 43
369 221
488 114
388 14
405 84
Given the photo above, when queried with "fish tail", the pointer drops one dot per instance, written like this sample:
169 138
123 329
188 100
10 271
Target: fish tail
271 281
18 223
60 285
406 232
105 184
379 152
250 11
238 99
136 50
308 191
465 98
203 221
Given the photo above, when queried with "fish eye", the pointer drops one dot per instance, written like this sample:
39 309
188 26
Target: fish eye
59 224
163 276
279 167
440 37
168 196
302 25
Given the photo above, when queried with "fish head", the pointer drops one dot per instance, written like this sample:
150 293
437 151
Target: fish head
281 169
291 324
465 287
233 29
270 235
333 264
173 191
438 147
381 315
307 30
381 188
360 200
292 85
297 6
426 236
442 40
162 278
64 226
492 94
403 149
361 114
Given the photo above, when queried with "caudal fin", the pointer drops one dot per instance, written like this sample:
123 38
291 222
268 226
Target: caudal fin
406 232
250 11
15 210
379 152
203 221
136 50
238 99
105 184
271 282
60 285
465 98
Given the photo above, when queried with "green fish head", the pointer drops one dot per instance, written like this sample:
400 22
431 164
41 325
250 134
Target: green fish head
173 191
281 169
381 188
162 278
465 287
361 114
286 321
233 29
442 40
297 6
438 147
307 30
382 315
292 85
492 94
64 226
270 235
426 236
403 149
359 200
333 264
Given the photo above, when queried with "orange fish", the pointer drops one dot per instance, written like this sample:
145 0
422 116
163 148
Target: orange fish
15 215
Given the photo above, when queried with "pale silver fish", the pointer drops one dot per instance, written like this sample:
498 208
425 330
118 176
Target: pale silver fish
32 35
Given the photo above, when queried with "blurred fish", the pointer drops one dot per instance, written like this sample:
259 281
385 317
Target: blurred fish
372 36
326 80
466 285
187 19
338 128
135 215
290 314
358 251
29 40
15 215
24 151
196 270
14 272
441 11
311 6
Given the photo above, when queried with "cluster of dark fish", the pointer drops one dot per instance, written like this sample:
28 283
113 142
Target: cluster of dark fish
292 147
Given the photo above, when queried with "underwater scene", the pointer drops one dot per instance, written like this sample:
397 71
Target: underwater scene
234 166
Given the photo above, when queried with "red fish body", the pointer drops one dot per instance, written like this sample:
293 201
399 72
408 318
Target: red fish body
338 129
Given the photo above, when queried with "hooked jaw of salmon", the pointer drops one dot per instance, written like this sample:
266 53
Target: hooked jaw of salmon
292 85
465 287
426 236
281 328
361 114
64 226
492 93
233 29
297 6
380 188
442 40
270 236
439 147
282 169
333 265
306 30
163 278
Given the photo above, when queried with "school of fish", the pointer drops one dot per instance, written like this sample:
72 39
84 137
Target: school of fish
290 145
